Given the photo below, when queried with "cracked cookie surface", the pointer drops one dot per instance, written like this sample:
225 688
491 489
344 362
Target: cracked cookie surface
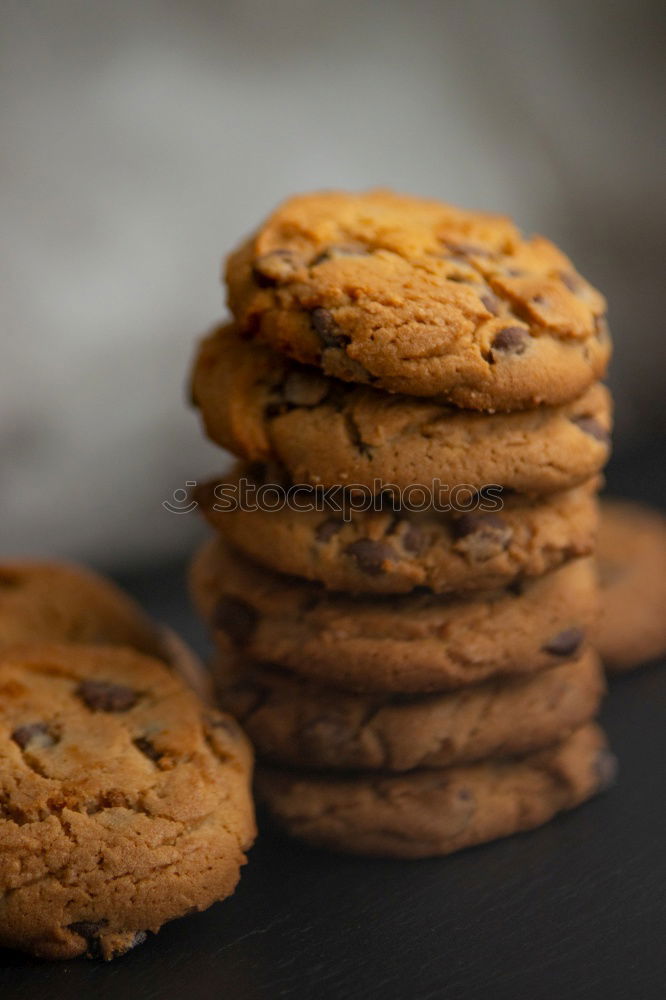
123 801
412 643
393 551
632 572
291 720
432 812
263 407
422 298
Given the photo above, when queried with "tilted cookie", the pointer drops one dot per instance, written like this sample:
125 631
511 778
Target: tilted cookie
433 812
295 722
263 407
421 298
61 602
123 801
391 551
411 643
632 570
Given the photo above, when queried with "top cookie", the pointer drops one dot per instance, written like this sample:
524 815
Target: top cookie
422 298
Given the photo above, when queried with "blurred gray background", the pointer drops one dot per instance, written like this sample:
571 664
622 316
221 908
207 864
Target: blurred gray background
143 139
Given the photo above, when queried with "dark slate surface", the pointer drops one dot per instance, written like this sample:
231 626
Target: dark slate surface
576 909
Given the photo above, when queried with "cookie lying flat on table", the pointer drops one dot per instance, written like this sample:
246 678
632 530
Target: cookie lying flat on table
261 407
59 602
123 801
632 569
292 721
422 298
428 813
389 552
412 643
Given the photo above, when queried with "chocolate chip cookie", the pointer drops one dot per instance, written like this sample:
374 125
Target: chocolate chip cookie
123 802
315 535
432 812
292 721
632 565
412 643
323 431
57 602
420 298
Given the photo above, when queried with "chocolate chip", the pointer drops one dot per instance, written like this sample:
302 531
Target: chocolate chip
10 579
235 617
305 388
490 302
591 426
37 734
413 539
600 327
340 250
274 268
226 724
324 732
104 696
565 643
327 529
570 280
468 249
370 555
510 340
605 769
481 536
149 749
89 930
326 328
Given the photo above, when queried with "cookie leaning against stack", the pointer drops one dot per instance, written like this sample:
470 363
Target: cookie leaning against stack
433 652
124 803
124 800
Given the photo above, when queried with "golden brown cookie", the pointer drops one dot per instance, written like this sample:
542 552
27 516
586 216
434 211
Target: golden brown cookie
432 812
263 407
60 602
421 298
123 802
632 569
295 722
386 551
411 643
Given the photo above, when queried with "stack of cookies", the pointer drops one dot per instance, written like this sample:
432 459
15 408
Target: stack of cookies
401 580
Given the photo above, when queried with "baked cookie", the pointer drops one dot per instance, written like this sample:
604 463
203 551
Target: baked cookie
420 298
412 643
292 721
632 570
324 431
388 551
58 602
431 812
123 802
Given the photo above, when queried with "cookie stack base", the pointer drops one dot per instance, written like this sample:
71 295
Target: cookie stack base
435 812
